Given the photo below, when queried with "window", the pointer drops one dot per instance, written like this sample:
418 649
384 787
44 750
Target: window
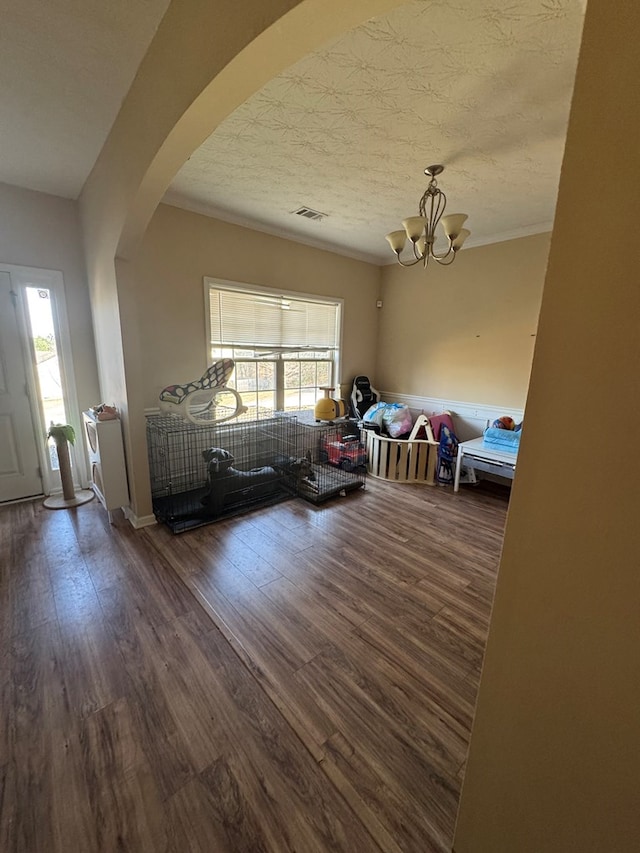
285 345
43 336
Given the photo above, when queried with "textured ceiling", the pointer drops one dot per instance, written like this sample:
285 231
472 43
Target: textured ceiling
65 68
482 87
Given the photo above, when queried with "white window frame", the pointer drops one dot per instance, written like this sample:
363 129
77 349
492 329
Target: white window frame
243 287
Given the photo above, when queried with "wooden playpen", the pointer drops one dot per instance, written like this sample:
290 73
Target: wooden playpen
409 460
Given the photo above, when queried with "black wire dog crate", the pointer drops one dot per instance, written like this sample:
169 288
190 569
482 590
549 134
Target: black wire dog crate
337 454
200 474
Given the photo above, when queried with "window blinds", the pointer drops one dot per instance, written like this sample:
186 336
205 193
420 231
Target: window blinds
244 319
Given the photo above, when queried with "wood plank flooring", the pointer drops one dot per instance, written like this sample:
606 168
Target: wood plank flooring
298 679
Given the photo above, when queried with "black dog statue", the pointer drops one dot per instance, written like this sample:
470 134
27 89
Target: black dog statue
228 485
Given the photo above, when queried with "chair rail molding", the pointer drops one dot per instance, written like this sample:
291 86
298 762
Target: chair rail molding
471 419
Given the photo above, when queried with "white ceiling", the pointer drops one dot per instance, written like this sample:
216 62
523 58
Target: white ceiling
65 67
482 86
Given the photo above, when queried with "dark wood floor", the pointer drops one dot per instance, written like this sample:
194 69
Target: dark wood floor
298 679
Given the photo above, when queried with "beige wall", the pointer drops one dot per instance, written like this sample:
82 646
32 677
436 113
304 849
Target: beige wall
164 315
554 754
464 332
555 751
181 247
40 230
205 60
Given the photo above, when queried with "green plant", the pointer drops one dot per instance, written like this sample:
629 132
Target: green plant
62 431
44 344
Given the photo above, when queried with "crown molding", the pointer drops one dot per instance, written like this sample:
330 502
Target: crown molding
211 212
232 219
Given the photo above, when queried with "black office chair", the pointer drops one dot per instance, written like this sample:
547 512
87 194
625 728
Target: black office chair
363 396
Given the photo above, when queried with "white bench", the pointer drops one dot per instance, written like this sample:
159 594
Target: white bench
475 454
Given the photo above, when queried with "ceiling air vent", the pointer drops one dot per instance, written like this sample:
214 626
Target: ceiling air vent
308 213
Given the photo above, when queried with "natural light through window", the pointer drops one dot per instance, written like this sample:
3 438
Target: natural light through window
47 360
286 347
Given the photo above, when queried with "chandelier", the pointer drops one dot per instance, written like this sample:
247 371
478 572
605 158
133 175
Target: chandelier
420 230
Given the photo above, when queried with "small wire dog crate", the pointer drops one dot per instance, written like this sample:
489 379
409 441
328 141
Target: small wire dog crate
200 474
337 454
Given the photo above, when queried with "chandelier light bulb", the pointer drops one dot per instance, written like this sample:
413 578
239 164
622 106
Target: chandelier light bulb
452 224
396 240
415 227
459 240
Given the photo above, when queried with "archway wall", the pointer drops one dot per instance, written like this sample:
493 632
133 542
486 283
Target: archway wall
553 762
204 61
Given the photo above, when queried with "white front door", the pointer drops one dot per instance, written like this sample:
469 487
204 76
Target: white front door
19 462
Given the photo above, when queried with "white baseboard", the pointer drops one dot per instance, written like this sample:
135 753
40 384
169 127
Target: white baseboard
134 521
471 419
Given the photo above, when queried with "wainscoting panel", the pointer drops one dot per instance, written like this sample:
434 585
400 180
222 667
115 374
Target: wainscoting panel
471 419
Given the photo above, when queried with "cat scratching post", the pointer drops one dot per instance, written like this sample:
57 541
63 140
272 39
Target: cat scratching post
62 434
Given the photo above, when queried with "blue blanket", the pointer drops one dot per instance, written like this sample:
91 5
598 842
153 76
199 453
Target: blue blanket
502 439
